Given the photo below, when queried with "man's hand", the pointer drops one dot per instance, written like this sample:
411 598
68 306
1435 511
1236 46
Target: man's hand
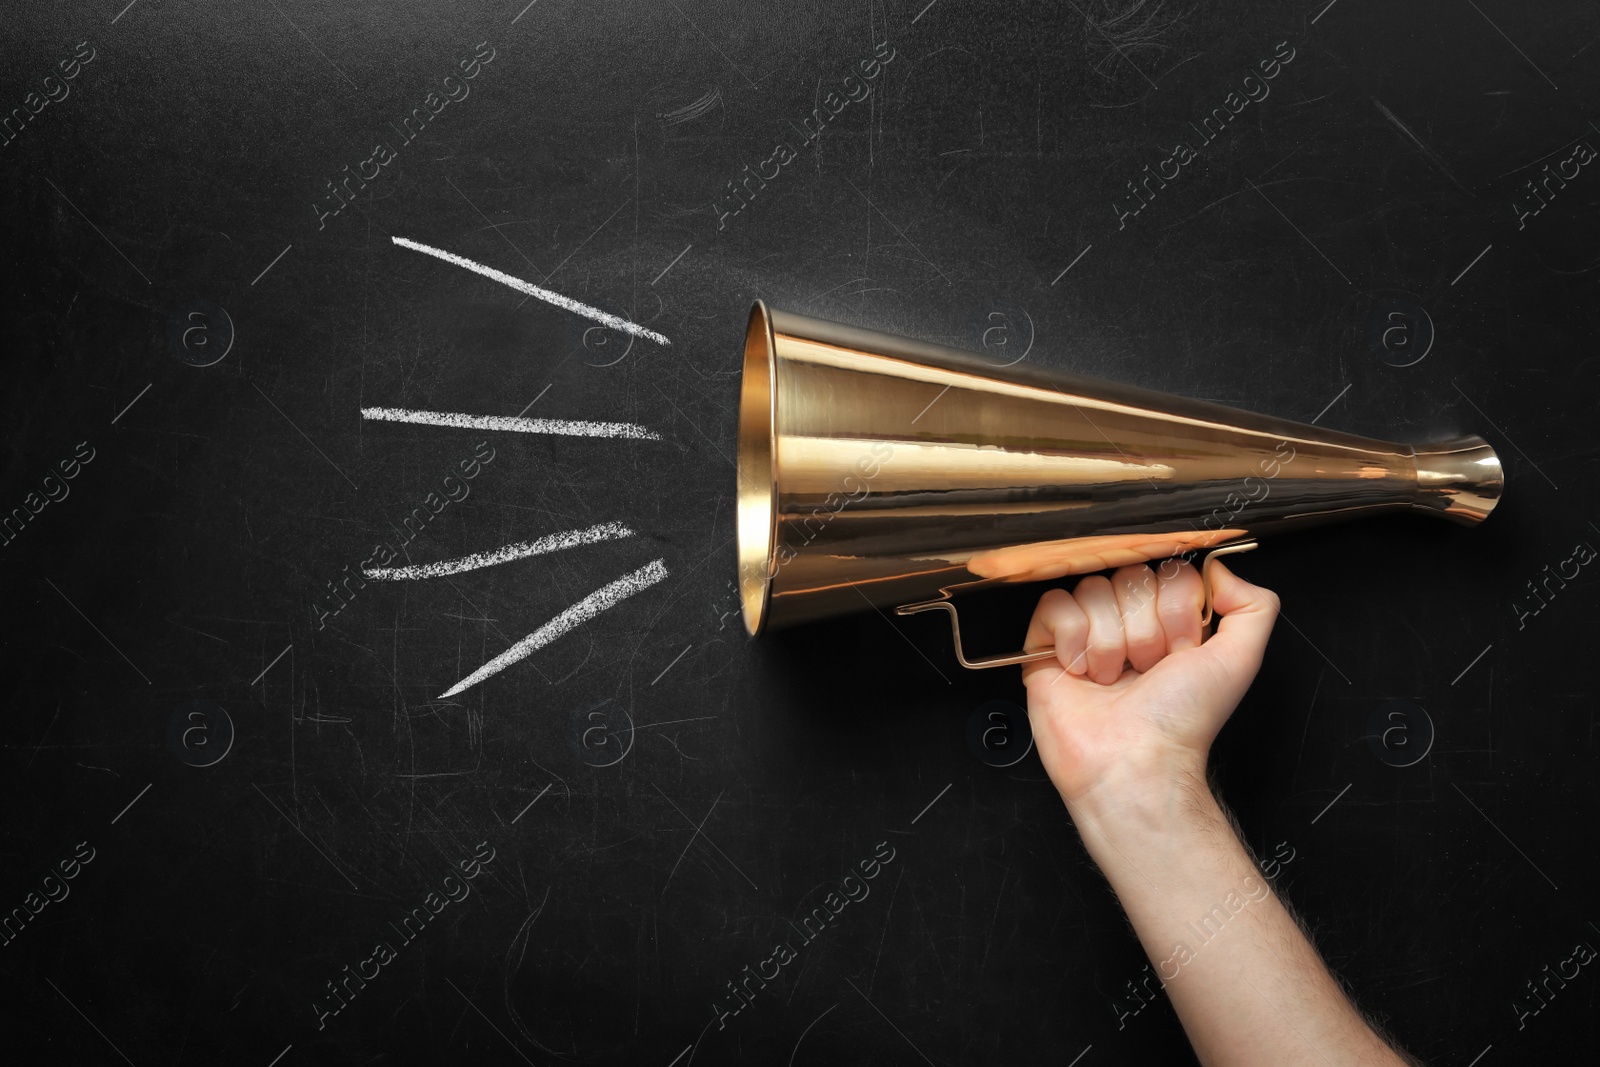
1133 699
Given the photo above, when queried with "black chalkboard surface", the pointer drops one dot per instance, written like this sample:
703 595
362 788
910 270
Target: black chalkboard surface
246 825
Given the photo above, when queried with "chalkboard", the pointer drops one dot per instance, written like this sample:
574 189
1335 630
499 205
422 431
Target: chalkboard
244 823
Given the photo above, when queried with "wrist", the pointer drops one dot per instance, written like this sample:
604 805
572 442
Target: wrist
1160 803
1150 791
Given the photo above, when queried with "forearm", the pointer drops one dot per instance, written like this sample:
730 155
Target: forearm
1247 985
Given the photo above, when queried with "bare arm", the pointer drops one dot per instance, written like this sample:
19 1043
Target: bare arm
1124 718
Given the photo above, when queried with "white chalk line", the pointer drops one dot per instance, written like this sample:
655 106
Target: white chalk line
567 427
584 610
605 531
565 302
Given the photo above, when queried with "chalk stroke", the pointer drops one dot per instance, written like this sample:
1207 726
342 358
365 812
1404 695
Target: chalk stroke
565 302
605 531
567 427
584 610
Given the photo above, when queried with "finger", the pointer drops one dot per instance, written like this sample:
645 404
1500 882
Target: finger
1146 642
1107 645
1179 601
1248 612
1058 621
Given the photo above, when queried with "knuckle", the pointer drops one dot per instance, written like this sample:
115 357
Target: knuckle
1173 609
1144 629
1093 583
1071 627
1133 573
1101 649
1053 599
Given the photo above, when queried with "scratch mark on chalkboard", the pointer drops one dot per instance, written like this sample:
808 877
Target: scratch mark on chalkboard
44 735
696 426
679 751
491 225
695 1047
1307 729
674 722
688 112
202 633
587 608
819 1018
699 831
564 427
886 917
606 531
901 232
988 941
932 947
1427 153
564 787
519 949
566 303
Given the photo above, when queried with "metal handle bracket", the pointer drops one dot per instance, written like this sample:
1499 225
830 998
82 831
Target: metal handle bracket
1031 655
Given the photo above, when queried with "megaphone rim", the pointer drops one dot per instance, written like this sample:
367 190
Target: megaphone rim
756 514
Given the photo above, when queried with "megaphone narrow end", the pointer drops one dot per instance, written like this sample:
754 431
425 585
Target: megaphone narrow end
1460 479
756 522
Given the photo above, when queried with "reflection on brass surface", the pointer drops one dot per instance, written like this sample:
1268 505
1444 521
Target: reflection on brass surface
875 470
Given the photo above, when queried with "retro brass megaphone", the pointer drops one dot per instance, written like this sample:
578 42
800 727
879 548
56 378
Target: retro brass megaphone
875 470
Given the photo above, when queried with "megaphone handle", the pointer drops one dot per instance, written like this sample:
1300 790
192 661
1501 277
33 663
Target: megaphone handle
1009 659
1205 573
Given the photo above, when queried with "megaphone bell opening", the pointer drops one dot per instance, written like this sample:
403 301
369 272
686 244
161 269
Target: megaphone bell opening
757 518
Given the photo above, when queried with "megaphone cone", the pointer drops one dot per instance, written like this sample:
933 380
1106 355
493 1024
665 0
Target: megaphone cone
879 471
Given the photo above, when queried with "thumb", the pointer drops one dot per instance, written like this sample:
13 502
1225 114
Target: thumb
1247 614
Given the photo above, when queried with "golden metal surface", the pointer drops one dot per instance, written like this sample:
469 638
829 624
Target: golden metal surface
875 470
